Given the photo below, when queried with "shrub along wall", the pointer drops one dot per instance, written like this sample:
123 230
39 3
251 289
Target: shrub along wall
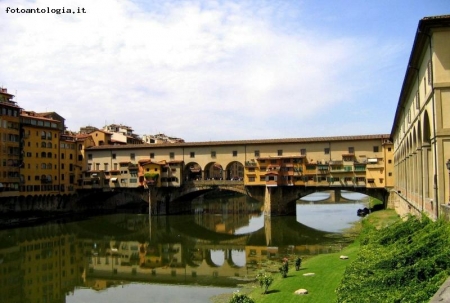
405 262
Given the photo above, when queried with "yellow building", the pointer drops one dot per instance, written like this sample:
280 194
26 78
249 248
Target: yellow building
40 169
101 137
10 146
359 161
149 172
421 128
68 168
352 161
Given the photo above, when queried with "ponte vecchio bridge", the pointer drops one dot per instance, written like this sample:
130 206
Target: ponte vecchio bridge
276 171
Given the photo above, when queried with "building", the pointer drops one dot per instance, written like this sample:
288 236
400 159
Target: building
41 168
421 128
353 161
10 152
160 138
122 134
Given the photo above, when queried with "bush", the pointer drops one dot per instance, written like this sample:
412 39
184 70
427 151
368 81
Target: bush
405 262
265 280
240 298
284 268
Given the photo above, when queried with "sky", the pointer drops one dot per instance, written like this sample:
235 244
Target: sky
213 70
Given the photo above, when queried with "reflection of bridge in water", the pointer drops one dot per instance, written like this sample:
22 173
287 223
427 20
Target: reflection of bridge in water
175 248
109 250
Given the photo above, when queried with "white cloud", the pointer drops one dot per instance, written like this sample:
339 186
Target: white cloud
202 71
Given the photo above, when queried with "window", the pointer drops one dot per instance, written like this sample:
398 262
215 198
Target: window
417 100
213 154
62 156
256 153
152 155
235 153
192 154
429 69
351 150
106 166
375 149
113 156
132 156
172 155
303 151
389 161
280 152
251 179
89 156
326 151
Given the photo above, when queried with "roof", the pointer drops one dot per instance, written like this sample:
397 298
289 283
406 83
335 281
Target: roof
243 142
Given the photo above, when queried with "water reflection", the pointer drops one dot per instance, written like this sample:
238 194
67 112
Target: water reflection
223 243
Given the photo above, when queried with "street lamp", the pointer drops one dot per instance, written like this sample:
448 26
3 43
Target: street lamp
448 168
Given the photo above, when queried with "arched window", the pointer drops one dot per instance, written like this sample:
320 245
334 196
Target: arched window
49 144
49 135
43 135
49 155
43 144
43 166
49 166
43 155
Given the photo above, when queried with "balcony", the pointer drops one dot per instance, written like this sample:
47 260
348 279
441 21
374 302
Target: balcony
360 168
250 164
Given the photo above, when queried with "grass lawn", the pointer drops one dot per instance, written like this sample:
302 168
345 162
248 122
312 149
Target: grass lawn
328 271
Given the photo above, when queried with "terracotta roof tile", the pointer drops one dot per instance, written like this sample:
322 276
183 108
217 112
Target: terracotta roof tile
246 142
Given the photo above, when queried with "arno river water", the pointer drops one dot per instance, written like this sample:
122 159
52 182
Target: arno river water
129 258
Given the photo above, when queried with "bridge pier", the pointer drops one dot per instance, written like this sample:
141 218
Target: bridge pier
280 200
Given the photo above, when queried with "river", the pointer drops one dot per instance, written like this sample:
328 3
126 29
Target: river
224 242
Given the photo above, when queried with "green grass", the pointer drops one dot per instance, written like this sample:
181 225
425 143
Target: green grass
328 270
